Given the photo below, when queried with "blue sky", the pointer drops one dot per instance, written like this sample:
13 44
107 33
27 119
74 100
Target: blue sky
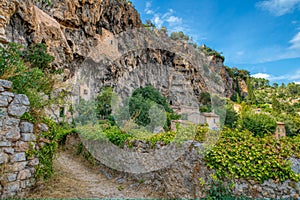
262 36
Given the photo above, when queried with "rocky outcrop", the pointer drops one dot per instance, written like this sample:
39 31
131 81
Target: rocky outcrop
8 8
69 28
16 138
73 29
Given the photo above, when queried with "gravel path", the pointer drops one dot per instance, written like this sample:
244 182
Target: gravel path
74 178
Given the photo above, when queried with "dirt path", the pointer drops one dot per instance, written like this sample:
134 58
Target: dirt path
74 178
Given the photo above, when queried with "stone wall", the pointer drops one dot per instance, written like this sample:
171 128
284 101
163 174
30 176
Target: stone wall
181 179
16 137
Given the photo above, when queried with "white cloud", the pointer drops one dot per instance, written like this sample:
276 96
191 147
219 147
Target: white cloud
173 19
240 53
279 7
295 76
286 77
158 21
295 42
261 75
148 9
167 18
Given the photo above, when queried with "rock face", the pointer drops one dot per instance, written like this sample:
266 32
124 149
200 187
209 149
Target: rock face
8 8
73 29
69 28
16 137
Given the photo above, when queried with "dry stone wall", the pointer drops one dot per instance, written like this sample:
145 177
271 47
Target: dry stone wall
189 177
16 137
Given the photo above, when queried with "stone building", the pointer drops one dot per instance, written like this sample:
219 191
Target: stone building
280 130
212 119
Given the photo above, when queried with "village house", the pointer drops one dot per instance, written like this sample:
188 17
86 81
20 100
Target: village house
280 130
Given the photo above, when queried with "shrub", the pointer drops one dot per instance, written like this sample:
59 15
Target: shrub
258 124
28 69
241 155
104 101
142 100
115 135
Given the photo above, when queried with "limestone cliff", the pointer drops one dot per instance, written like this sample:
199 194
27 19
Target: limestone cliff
72 29
69 28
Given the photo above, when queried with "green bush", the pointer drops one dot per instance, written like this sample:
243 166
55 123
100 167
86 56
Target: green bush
38 57
117 136
55 135
241 155
166 138
258 124
142 100
104 101
201 131
29 71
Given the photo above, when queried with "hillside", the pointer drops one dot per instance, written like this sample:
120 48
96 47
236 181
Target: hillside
156 114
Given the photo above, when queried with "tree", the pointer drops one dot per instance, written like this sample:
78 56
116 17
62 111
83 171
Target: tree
179 36
164 29
145 98
104 101
231 117
258 124
275 85
293 89
275 104
251 96
205 98
149 24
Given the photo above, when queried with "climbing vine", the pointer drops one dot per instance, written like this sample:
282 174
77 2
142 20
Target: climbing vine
241 155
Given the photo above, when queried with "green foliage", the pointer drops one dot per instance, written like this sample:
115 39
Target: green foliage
47 1
166 138
179 36
86 112
259 83
251 97
218 190
149 24
201 133
115 135
292 123
145 98
293 89
205 108
164 29
28 69
258 124
231 118
205 98
27 117
276 105
211 52
55 135
11 63
103 132
30 72
104 101
38 57
241 155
